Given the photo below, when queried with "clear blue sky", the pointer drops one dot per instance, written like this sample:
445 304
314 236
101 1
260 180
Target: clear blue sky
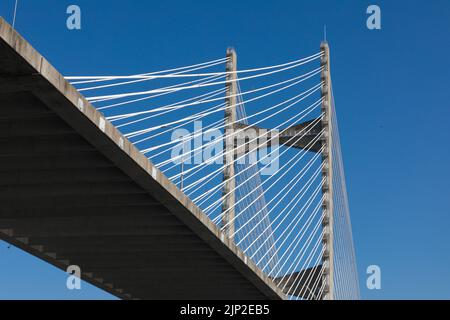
392 94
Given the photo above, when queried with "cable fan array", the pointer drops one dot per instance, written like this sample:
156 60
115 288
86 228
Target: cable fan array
176 119
346 281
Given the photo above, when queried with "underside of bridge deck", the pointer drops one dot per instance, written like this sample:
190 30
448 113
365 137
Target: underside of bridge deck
73 191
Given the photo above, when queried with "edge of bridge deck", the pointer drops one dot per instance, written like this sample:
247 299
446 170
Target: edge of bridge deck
60 96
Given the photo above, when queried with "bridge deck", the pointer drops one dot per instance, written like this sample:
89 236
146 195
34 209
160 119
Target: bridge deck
74 191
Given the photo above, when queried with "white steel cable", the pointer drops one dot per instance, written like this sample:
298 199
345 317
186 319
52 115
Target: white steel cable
221 184
314 89
306 263
218 170
204 96
297 242
283 235
197 133
302 153
167 90
310 144
130 94
14 14
141 80
177 106
302 251
301 193
159 75
316 284
301 232
91 79
305 290
202 114
307 282
173 87
275 197
298 238
217 157
302 115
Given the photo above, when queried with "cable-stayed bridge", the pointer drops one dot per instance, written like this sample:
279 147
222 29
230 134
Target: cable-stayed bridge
205 181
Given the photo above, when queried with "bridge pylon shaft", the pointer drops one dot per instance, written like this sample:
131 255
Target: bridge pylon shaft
228 209
327 176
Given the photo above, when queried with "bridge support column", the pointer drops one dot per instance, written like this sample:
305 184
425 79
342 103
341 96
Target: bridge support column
327 176
228 210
